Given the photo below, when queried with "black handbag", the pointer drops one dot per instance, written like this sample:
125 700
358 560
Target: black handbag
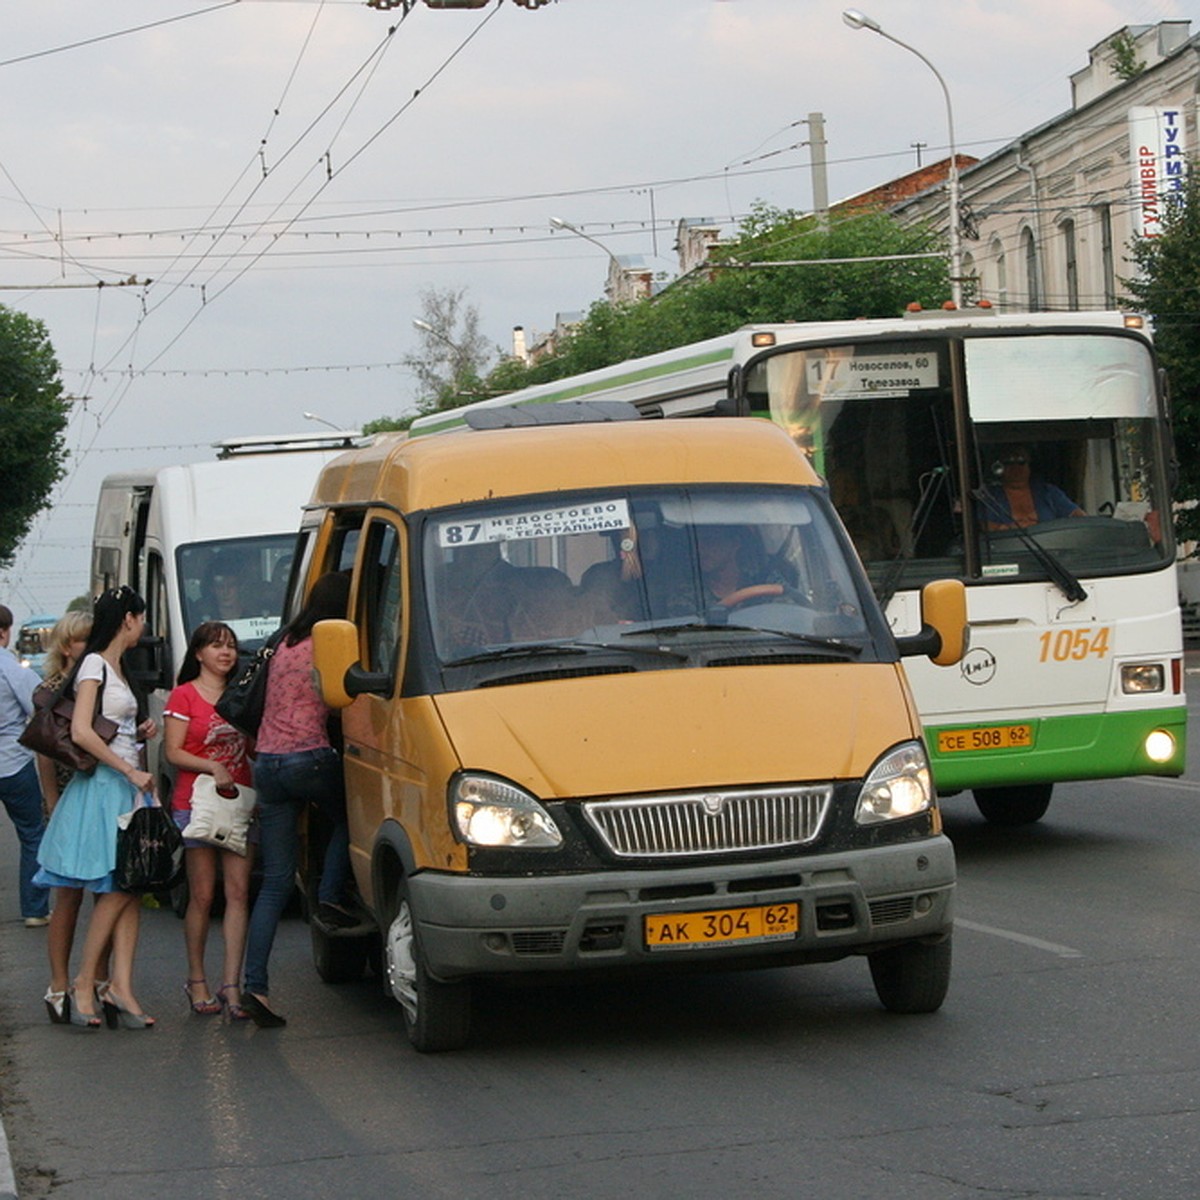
149 850
243 700
49 729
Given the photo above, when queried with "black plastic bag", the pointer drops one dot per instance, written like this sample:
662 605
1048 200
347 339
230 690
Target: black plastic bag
149 850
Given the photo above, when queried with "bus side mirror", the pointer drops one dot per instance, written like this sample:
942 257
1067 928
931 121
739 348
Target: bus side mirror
945 634
149 664
340 676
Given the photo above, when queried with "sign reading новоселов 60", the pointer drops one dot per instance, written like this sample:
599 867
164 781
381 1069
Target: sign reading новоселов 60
1157 157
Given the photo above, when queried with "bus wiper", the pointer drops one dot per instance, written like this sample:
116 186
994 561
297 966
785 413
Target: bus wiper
542 649
935 481
1060 575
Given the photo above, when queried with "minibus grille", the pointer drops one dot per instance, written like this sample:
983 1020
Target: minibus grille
710 822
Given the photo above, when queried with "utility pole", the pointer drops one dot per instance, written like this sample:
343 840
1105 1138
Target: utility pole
820 178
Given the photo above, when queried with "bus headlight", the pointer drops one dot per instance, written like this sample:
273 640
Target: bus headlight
487 811
1140 678
899 785
1159 746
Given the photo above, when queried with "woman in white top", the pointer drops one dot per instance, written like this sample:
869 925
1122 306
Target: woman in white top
80 846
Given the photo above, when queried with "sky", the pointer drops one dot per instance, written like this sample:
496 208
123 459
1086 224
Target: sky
226 212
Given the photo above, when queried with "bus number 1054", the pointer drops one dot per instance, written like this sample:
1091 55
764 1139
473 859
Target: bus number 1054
1063 645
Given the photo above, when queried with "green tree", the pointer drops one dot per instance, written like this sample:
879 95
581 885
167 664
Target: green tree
33 415
453 353
773 271
1167 287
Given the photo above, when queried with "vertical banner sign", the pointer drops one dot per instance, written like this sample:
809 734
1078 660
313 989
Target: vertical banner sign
1156 154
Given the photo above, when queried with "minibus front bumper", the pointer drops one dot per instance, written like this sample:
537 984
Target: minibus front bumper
845 903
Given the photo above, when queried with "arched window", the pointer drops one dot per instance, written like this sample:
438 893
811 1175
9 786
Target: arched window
1033 284
997 250
1071 263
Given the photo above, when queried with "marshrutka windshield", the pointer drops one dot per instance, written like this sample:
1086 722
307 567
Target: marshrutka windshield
1058 439
603 568
240 581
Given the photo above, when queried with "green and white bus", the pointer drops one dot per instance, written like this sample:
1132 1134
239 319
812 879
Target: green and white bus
921 426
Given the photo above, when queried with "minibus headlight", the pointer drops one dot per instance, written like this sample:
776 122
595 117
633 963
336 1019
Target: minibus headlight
1139 678
899 785
487 811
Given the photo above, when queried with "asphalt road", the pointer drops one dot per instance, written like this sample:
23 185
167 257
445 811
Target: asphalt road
1065 1062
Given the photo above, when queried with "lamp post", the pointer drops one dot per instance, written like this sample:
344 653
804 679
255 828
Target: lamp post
425 327
858 20
311 416
559 223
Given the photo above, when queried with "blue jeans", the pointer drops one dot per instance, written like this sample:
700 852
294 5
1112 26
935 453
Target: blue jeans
286 783
22 796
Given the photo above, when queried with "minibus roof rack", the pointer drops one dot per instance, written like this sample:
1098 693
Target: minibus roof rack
561 412
335 439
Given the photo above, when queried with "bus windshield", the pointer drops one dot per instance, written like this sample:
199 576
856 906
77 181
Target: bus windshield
609 569
240 581
971 456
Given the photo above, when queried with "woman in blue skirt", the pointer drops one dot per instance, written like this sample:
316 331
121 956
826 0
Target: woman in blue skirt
79 848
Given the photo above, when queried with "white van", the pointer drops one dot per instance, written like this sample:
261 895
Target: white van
207 541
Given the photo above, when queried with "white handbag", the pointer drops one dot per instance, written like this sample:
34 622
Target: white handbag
222 821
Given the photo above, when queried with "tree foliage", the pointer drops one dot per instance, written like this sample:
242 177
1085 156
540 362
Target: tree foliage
453 353
33 415
1167 287
741 285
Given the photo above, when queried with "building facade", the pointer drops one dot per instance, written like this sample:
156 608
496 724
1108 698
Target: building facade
1048 220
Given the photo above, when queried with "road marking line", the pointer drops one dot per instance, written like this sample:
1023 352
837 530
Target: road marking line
1183 785
1023 938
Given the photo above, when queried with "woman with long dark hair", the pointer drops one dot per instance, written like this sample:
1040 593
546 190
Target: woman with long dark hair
79 849
296 765
197 741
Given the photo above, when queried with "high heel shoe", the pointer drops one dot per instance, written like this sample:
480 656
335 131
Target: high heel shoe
58 1005
120 1017
80 1020
203 1008
237 1012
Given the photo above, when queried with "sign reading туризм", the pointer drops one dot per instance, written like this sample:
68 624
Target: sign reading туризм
1156 155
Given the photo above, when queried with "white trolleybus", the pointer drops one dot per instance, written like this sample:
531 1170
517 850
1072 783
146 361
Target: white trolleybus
1026 454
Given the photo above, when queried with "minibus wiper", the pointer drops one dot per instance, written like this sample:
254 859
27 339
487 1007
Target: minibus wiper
532 649
804 639
850 649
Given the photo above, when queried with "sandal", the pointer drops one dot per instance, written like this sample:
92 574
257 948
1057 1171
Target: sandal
202 1008
58 1005
236 1011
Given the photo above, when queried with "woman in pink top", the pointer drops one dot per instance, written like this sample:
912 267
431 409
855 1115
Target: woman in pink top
296 765
198 741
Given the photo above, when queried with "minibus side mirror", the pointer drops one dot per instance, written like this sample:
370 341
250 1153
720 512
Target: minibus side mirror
944 635
340 676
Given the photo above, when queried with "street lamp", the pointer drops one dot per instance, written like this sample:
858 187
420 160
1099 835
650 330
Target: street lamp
858 20
310 416
559 223
425 327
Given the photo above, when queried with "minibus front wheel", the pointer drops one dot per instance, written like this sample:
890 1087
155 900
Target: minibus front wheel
912 978
437 1015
